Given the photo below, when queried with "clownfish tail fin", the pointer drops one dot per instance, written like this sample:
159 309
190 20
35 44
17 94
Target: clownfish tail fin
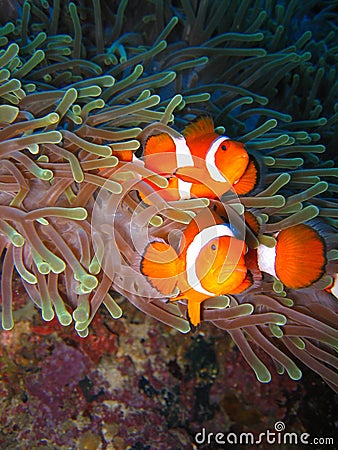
159 154
159 265
300 256
158 143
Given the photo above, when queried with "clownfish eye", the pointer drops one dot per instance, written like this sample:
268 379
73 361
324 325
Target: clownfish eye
224 147
213 247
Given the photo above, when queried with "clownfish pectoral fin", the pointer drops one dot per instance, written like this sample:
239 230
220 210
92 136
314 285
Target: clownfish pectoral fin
300 256
147 198
246 283
253 227
190 174
143 198
194 312
252 222
252 265
193 305
198 128
159 265
249 180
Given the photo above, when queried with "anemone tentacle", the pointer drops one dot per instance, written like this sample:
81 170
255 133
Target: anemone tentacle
79 101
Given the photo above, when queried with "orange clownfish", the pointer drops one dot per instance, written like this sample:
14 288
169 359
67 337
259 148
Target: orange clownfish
204 163
298 260
289 260
209 262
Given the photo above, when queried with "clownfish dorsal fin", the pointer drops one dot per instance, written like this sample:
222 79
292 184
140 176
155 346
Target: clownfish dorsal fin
198 128
300 256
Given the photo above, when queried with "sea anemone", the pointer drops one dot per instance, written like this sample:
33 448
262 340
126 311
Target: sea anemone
78 101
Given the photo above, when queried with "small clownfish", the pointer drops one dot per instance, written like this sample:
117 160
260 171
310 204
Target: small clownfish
289 260
209 262
299 258
205 163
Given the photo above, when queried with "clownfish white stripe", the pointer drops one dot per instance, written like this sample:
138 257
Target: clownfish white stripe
200 240
183 153
266 258
184 189
210 159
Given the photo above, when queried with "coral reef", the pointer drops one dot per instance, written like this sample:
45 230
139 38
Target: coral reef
136 383
82 86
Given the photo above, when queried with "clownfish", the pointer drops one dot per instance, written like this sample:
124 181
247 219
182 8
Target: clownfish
289 260
298 259
202 162
208 262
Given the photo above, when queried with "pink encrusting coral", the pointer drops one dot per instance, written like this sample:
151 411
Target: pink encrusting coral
78 207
